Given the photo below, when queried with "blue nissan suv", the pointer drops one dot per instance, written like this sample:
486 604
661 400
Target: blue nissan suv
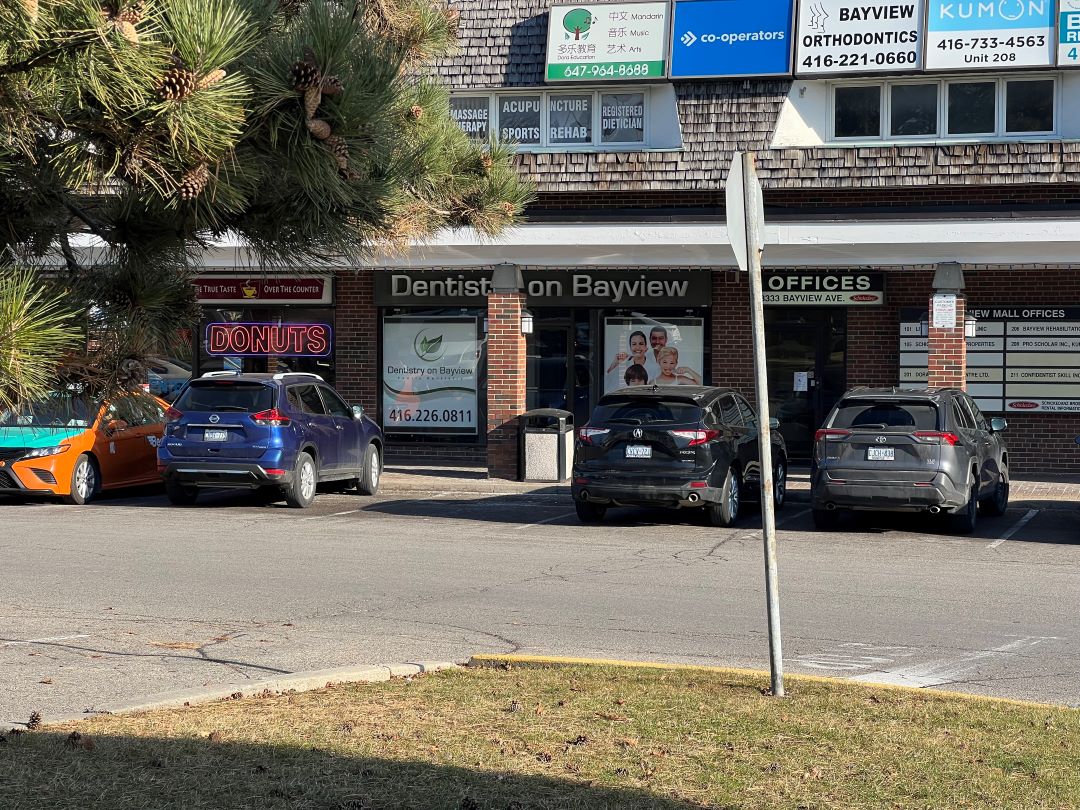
284 432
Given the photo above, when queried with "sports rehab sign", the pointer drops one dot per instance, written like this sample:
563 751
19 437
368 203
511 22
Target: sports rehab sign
849 36
607 42
718 38
965 34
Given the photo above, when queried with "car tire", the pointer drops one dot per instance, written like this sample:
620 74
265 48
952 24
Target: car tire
963 520
826 520
589 512
179 495
370 472
726 512
300 493
779 483
85 481
996 505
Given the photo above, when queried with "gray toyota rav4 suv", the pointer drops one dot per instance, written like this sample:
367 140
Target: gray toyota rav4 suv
909 450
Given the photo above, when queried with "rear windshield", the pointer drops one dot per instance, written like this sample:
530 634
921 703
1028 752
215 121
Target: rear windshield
876 415
220 395
635 411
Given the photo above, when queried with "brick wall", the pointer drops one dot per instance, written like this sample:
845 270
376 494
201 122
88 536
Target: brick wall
947 354
356 354
506 382
732 346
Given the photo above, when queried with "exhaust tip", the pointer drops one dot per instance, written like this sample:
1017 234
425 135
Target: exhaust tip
830 506
935 510
693 497
584 496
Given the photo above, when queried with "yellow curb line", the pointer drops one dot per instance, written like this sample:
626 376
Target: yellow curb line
488 660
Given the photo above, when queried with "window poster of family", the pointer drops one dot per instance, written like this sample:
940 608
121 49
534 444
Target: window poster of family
648 351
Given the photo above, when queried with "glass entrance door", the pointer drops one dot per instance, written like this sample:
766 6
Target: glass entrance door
806 350
547 373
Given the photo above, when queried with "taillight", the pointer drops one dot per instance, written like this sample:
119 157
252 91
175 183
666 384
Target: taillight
697 436
935 437
831 434
270 418
587 434
172 415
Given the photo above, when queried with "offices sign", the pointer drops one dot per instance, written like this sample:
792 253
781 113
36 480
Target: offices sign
1068 53
718 38
989 34
858 36
833 289
607 41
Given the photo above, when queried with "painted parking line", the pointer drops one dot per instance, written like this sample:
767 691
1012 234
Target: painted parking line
792 518
334 514
1026 519
47 640
524 526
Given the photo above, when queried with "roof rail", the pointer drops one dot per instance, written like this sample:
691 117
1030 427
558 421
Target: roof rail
221 374
281 375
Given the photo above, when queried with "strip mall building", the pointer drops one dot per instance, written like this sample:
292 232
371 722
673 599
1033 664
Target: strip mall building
914 191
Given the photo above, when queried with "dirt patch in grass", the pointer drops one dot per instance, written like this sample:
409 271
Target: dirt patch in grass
559 738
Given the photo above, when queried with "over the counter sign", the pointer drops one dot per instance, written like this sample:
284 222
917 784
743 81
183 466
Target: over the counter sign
607 41
848 36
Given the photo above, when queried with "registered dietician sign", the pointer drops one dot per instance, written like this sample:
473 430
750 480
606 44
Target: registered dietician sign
590 42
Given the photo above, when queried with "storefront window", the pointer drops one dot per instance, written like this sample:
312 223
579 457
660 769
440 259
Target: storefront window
643 350
268 339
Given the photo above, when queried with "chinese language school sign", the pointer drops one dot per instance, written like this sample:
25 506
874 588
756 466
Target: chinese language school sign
607 41
983 34
731 38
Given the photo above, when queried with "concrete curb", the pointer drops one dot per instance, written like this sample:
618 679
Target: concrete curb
554 661
293 682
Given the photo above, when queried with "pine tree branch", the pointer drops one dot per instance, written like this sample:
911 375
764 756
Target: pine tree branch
69 254
48 56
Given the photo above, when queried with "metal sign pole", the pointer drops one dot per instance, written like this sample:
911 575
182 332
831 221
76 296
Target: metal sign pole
748 215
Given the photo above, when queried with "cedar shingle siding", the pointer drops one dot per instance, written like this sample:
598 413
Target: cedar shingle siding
502 45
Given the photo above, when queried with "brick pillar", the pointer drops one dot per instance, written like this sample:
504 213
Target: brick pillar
947 359
505 371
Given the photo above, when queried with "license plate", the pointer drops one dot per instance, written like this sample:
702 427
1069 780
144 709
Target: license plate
880 454
638 451
215 435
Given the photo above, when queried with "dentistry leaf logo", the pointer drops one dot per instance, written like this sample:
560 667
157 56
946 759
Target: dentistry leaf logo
428 348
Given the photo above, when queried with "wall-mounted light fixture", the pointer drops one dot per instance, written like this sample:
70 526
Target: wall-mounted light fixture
971 326
924 327
526 322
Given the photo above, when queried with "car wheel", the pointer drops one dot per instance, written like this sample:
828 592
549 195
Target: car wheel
370 472
300 494
589 512
825 520
965 518
85 481
179 495
997 504
779 483
726 512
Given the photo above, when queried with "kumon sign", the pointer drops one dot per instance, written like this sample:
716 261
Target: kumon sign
281 339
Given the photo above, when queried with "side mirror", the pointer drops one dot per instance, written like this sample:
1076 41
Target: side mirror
357 412
774 423
998 424
115 426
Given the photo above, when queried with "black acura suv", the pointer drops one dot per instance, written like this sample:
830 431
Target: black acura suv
674 446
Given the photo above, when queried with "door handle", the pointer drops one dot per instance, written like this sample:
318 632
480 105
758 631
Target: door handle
339 427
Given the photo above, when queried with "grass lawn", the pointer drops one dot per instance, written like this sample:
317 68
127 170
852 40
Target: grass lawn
572 737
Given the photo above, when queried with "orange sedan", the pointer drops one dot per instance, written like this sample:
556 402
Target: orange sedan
67 446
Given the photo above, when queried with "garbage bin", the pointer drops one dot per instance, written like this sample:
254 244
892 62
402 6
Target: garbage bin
546 444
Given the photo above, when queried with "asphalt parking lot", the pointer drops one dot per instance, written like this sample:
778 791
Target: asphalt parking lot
130 597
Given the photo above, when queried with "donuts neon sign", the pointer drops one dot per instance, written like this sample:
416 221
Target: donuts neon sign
281 339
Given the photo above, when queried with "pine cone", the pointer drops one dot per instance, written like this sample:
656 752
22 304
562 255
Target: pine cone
417 112
193 183
312 100
487 163
132 13
318 128
177 84
508 209
31 9
127 31
211 78
305 75
339 149
332 86
34 721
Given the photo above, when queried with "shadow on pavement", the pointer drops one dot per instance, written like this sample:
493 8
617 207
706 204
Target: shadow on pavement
123 773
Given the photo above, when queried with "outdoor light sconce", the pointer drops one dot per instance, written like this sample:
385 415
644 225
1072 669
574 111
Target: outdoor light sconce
971 326
526 322
924 328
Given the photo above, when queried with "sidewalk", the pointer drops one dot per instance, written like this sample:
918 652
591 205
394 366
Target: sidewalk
436 478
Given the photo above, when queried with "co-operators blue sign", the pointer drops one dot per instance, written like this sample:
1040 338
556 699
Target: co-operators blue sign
731 38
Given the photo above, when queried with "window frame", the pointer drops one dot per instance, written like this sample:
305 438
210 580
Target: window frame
1000 134
597 93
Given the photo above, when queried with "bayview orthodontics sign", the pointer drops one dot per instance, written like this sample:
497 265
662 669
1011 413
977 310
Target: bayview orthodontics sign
609 288
607 41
